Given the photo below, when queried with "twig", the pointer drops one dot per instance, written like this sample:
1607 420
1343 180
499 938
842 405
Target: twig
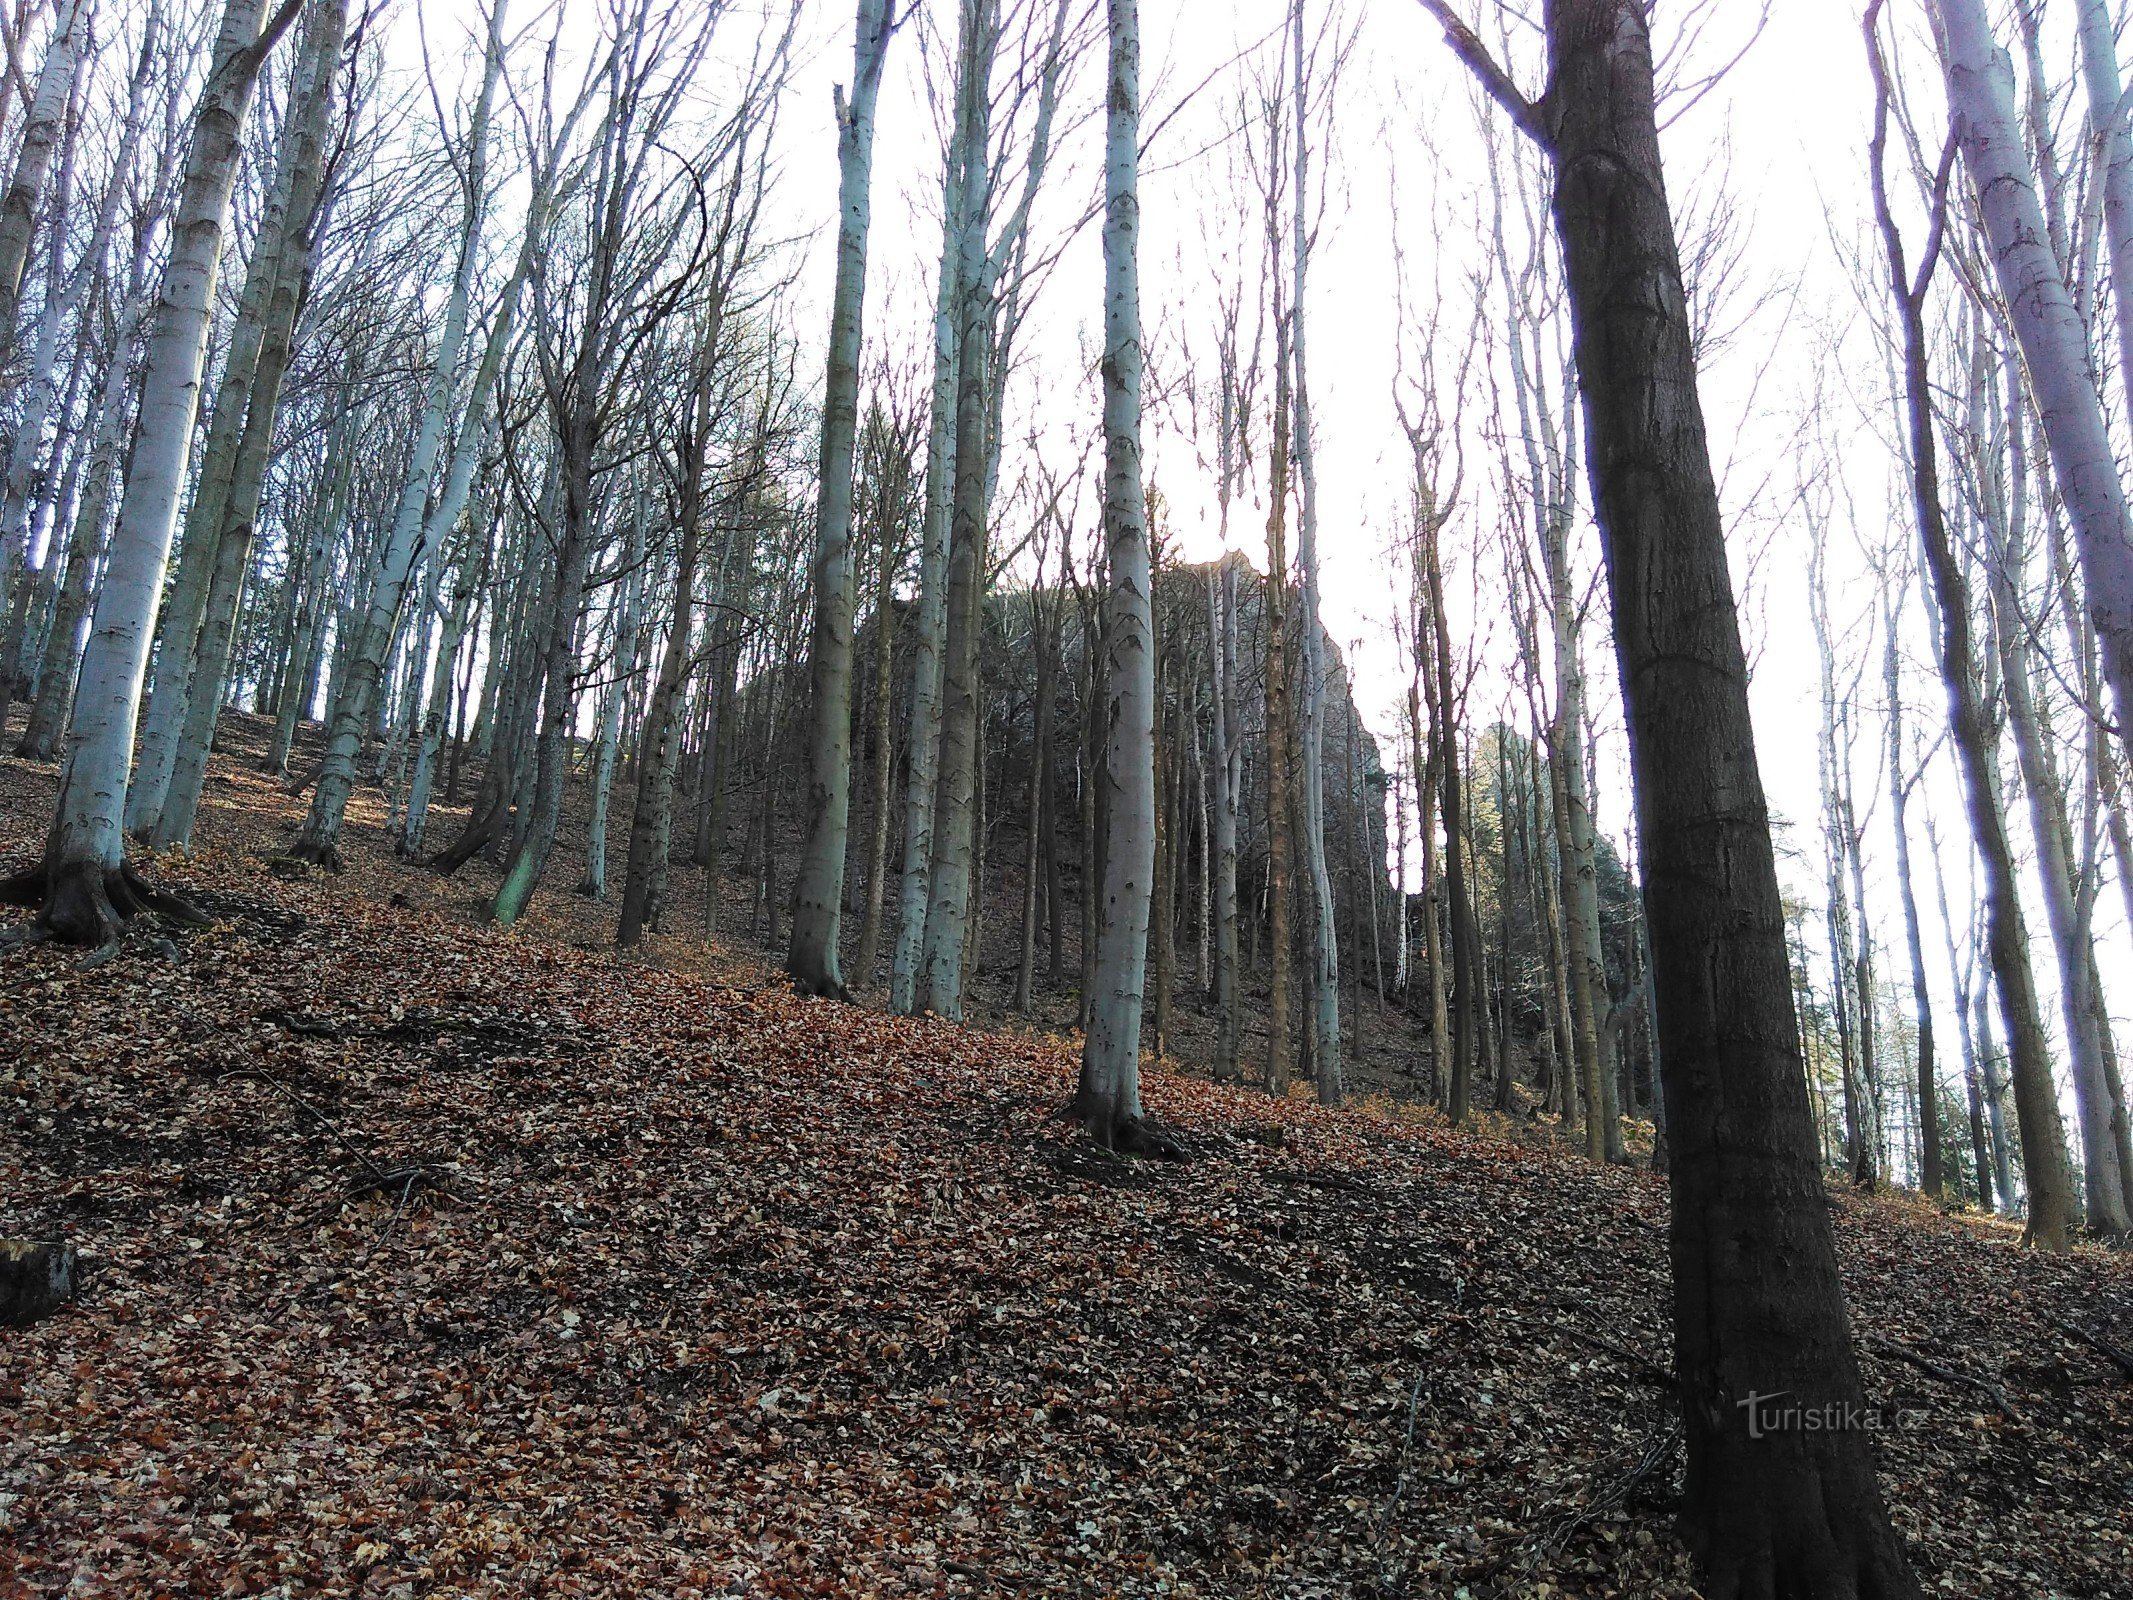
1643 1368
1617 1492
392 1221
1407 1445
1320 1180
1954 1375
385 1179
2118 1355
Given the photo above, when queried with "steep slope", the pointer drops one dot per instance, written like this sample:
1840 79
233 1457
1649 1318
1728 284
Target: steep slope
428 1261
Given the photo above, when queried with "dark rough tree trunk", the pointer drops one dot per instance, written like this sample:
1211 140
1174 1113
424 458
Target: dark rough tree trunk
1929 1135
1758 1307
1469 1013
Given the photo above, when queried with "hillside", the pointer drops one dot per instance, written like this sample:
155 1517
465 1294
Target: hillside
430 1261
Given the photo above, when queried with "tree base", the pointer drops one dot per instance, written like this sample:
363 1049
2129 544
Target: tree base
313 853
819 986
92 906
1789 1532
1124 1136
36 1279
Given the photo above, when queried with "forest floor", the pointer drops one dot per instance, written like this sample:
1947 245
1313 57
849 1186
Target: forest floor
428 1260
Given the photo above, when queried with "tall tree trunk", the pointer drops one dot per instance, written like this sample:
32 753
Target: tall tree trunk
660 740
607 737
306 649
33 160
1848 1001
1162 918
1227 759
22 505
411 531
1040 782
86 888
87 891
2080 1005
1929 1132
2044 1158
952 880
930 624
293 252
1325 944
2055 350
55 676
199 548
1758 1305
422 783
1995 1108
1280 946
881 718
535 833
818 900
1108 1098
1469 1008
62 644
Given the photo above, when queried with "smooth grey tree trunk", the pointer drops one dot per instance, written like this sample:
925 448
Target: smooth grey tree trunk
930 622
2081 1003
1226 762
412 532
950 874
303 204
2055 350
55 674
1550 448
33 161
2111 137
1108 1098
88 893
2044 1157
421 782
200 545
813 960
607 739
1311 723
1861 1149
1931 1178
38 389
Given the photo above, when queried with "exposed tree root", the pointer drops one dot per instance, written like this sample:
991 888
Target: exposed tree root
22 937
820 988
24 888
315 854
94 907
1124 1136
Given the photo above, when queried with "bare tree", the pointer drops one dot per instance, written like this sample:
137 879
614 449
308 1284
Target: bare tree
818 902
1791 1512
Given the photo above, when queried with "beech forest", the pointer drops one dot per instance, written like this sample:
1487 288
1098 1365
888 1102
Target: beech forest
1284 798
